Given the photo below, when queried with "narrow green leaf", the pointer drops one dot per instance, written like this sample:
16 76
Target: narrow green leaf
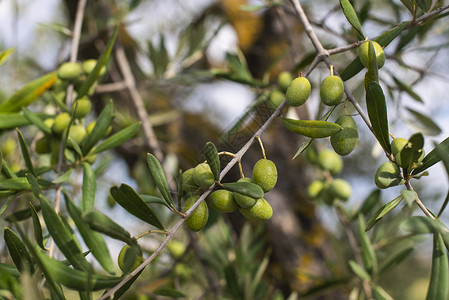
381 212
12 120
370 202
232 283
409 196
372 62
25 152
352 69
312 128
359 270
245 188
408 89
411 152
169 292
367 250
118 138
424 123
76 279
433 157
36 120
11 270
394 260
409 4
18 183
153 199
5 54
133 203
63 177
30 92
444 205
62 236
439 276
22 214
101 223
380 294
211 153
126 286
93 240
18 251
351 16
104 120
377 113
101 62
38 235
421 224
158 174
89 188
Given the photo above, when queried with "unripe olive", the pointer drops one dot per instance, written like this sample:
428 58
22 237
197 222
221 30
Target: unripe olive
83 107
61 123
344 141
43 145
89 65
265 174
331 90
242 200
176 248
198 219
315 188
364 54
284 80
129 259
203 176
340 188
298 92
91 126
331 161
77 133
276 98
223 201
188 183
387 175
49 122
59 85
261 211
69 71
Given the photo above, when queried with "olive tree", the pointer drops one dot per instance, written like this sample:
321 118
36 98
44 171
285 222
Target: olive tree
235 208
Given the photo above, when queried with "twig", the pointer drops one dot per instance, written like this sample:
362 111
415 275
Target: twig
173 230
150 139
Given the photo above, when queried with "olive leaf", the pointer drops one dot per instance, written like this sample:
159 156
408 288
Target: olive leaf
394 259
411 151
89 188
22 214
369 203
37 228
101 223
213 160
169 292
5 54
312 128
100 128
18 183
118 138
409 196
367 250
381 212
439 275
351 16
408 89
36 120
101 62
359 270
245 188
25 152
433 157
133 203
18 251
93 239
62 236
424 123
377 113
158 174
26 95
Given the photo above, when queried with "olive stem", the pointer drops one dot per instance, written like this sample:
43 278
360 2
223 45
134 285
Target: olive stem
261 147
164 232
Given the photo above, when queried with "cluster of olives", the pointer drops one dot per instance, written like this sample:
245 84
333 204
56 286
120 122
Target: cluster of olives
225 201
68 73
328 189
389 173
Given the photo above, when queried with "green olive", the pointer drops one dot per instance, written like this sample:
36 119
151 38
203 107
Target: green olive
284 80
223 201
61 123
188 184
43 145
203 176
331 161
265 174
49 122
343 142
315 188
89 65
77 133
387 175
332 90
176 248
83 107
198 219
242 200
340 188
276 98
364 54
298 92
69 71
261 211
129 259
